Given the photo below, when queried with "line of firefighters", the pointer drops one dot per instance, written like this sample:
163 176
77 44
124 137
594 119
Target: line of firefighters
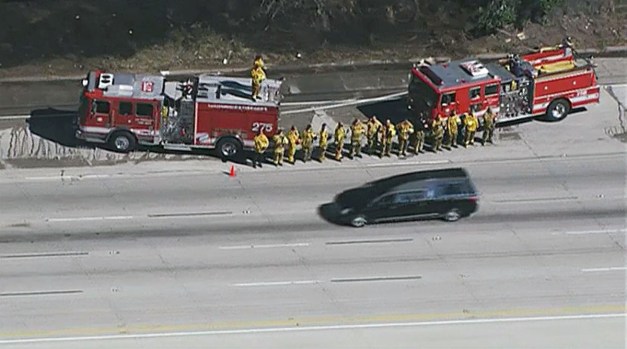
380 137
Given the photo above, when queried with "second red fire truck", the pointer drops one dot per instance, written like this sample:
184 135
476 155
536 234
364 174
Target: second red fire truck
217 112
548 83
208 111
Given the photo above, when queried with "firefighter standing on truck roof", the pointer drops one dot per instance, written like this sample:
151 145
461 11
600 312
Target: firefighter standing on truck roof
470 124
373 131
451 130
293 138
405 129
261 144
258 75
357 132
280 141
340 134
489 119
307 144
389 133
323 142
417 139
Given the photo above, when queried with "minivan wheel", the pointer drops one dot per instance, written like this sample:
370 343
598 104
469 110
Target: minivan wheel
358 221
452 215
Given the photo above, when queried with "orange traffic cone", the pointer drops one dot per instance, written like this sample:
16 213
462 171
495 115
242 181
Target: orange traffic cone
232 172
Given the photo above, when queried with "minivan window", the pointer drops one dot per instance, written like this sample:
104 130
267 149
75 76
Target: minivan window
385 200
409 197
454 189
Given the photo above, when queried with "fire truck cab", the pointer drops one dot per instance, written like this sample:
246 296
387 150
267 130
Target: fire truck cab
548 83
206 111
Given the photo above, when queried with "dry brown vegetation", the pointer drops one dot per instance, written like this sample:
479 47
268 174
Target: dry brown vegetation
70 36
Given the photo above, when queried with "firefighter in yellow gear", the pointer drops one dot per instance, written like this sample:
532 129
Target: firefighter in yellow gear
452 130
258 75
293 138
405 129
417 139
372 133
388 135
323 142
489 121
308 138
437 130
357 132
261 144
340 135
470 124
280 141
258 63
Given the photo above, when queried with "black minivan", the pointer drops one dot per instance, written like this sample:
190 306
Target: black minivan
447 193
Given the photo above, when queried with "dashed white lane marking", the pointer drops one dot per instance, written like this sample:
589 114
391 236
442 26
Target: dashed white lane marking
245 247
87 219
589 270
313 328
604 231
277 283
520 201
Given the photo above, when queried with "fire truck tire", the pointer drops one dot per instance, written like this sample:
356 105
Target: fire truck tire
122 141
229 147
557 110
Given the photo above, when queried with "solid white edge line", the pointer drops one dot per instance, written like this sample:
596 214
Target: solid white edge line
603 269
243 247
346 104
277 283
312 328
410 163
608 231
329 101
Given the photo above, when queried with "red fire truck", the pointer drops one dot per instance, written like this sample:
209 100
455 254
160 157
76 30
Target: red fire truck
207 111
546 83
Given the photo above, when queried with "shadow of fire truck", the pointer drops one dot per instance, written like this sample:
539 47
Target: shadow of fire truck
59 126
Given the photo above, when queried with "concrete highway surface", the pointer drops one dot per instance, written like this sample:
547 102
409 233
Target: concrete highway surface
177 254
192 260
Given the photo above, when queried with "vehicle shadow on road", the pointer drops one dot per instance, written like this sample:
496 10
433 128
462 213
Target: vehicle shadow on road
55 125
59 126
395 110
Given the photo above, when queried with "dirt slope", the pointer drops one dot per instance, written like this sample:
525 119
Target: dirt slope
72 36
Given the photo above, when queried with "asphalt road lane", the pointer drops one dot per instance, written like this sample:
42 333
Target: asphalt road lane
529 333
118 255
154 249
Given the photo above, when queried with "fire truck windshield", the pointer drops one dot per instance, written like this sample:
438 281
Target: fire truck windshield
423 98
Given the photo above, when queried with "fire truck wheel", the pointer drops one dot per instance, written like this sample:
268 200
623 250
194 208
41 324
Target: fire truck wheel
557 110
122 141
229 147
